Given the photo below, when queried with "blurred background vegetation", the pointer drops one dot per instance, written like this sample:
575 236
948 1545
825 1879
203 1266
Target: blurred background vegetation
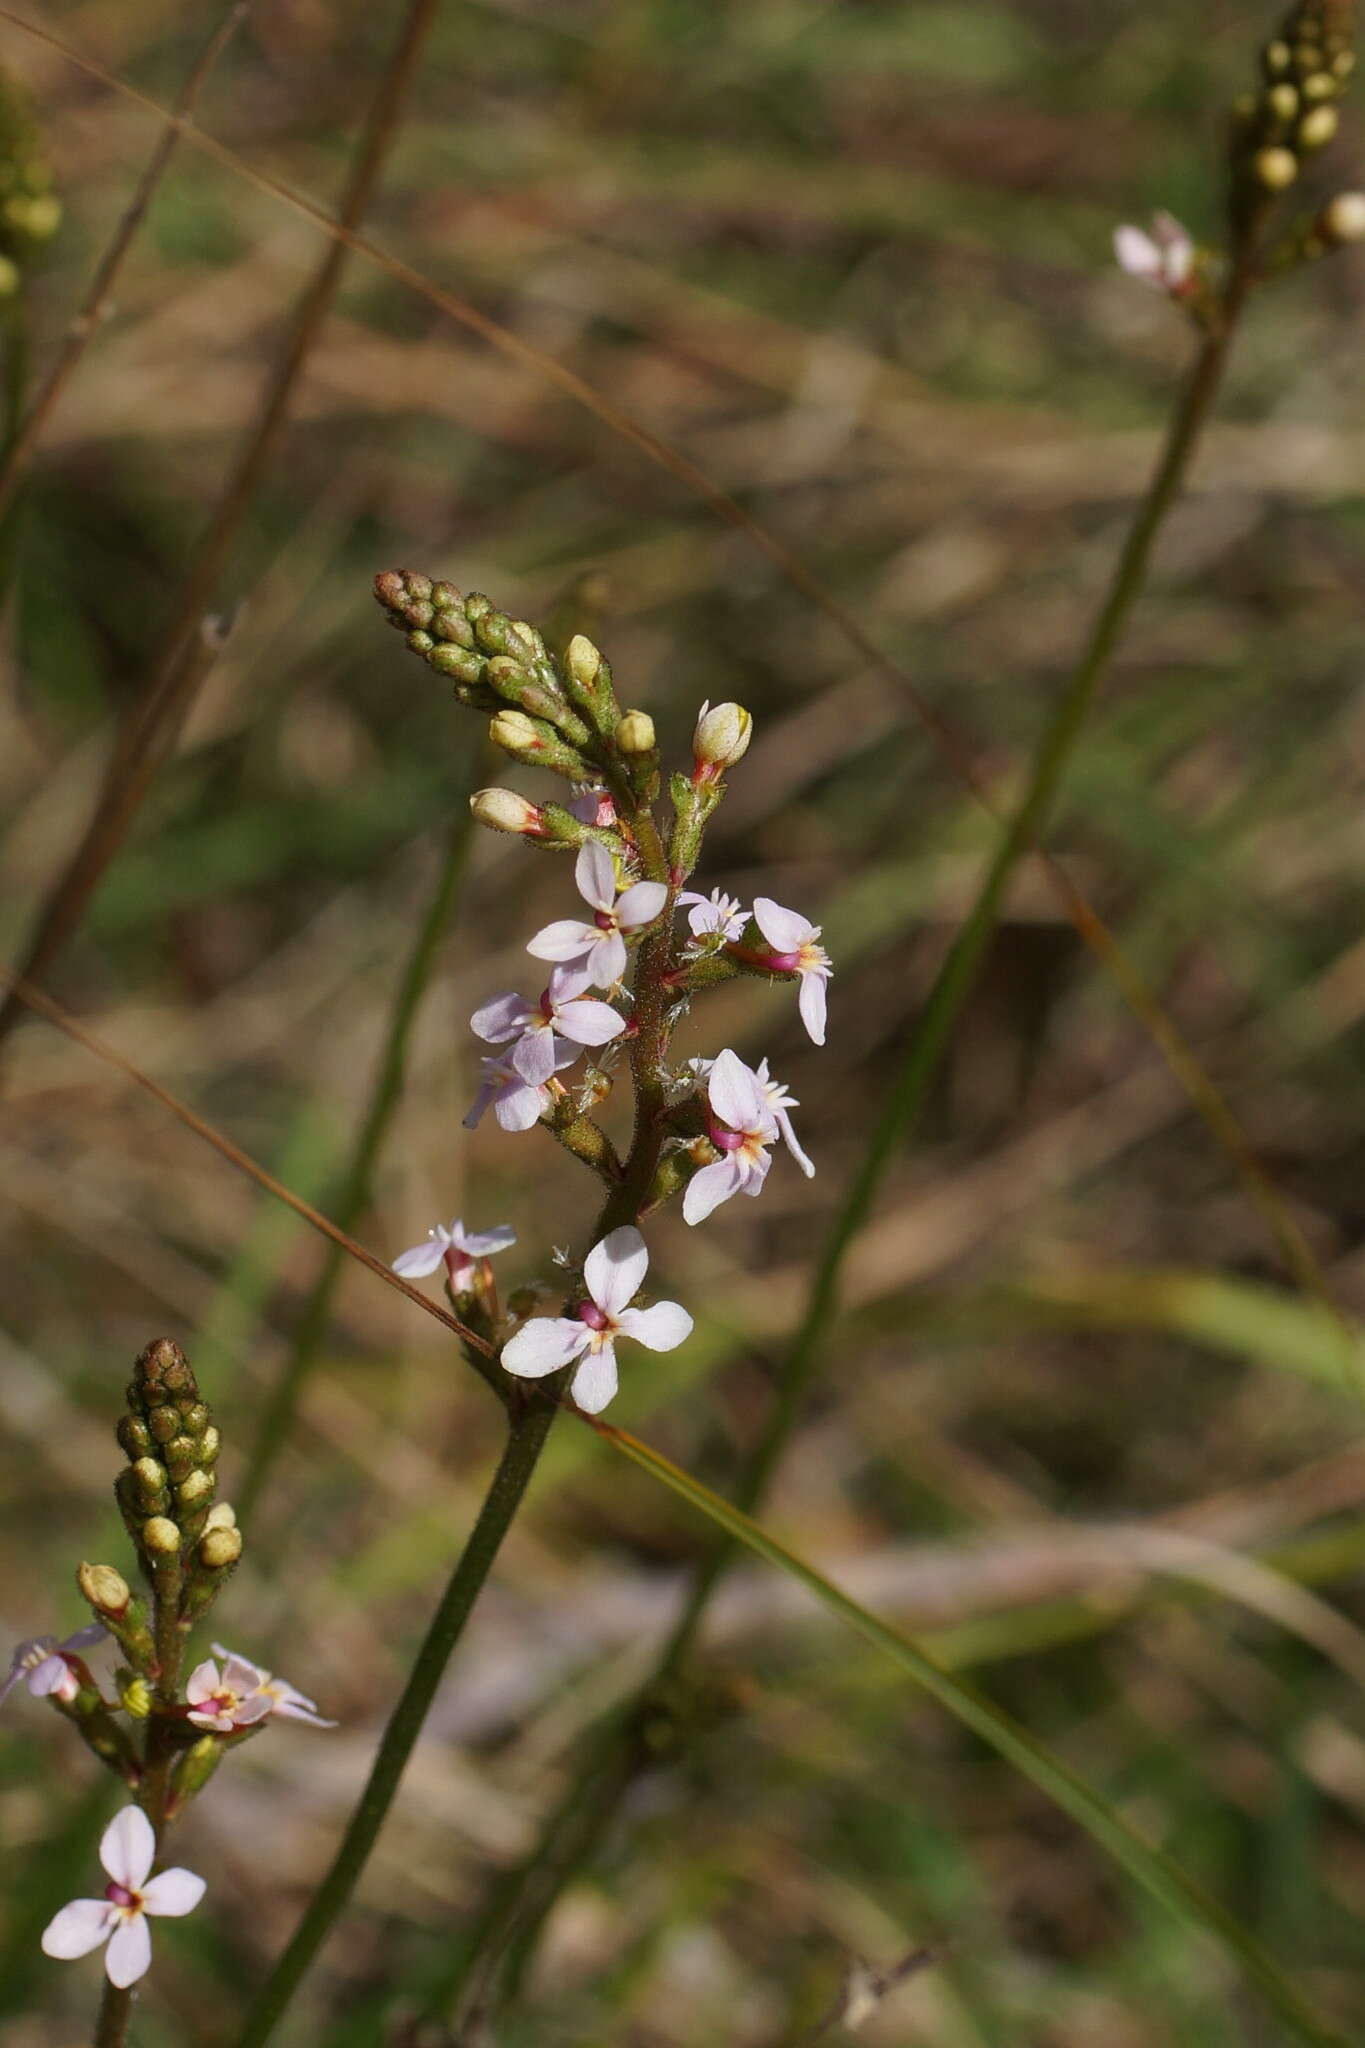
854 259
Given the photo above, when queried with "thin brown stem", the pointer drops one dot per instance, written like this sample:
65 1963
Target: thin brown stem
95 305
175 673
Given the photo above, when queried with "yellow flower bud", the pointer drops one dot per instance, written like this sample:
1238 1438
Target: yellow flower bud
1283 102
1275 168
222 1515
582 660
635 733
504 811
1317 128
106 1590
136 1698
160 1536
514 731
1343 218
721 738
218 1548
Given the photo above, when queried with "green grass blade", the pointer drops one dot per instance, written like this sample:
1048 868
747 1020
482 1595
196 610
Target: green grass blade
1148 1865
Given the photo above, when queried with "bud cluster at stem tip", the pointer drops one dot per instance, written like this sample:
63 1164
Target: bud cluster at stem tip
1305 70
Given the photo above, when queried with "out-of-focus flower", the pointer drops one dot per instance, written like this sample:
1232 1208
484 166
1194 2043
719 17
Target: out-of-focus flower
741 1126
614 1272
594 955
561 1009
458 1249
794 950
714 913
42 1664
127 1851
241 1694
1163 259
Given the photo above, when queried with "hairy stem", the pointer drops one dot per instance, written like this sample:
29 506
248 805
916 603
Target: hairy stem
520 1902
282 1405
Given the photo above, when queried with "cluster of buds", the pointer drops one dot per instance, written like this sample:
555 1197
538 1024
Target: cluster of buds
30 212
162 1741
621 973
1305 70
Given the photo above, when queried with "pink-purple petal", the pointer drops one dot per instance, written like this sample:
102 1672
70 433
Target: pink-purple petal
566 939
500 1019
533 1055
544 1345
595 874
481 1244
735 1095
127 1847
640 904
595 1381
421 1259
588 1022
78 1928
709 1188
517 1106
50 1676
661 1328
615 1269
607 962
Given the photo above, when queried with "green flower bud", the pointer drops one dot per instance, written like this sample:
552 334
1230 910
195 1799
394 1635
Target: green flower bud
136 1698
635 734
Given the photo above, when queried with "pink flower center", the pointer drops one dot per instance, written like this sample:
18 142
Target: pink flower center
591 1314
605 920
784 963
119 1895
722 1137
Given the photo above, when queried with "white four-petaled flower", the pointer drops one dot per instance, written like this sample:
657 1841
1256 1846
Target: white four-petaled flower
127 1851
794 951
614 1273
1163 259
241 1694
742 1125
541 1030
43 1667
714 913
458 1248
594 955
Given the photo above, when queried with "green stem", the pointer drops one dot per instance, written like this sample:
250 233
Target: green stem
521 1901
524 1444
278 1417
116 2008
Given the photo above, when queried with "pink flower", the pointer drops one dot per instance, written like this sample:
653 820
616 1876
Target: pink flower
1164 260
742 1127
517 1103
714 913
459 1248
792 939
241 1694
561 1009
594 955
614 1271
44 1666
127 1851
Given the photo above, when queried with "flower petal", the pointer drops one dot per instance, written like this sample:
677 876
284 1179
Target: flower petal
641 904
481 1244
615 1269
517 1106
785 930
51 1676
811 1004
173 1892
784 1124
533 1055
607 961
1137 253
566 939
589 1023
129 1954
736 1094
421 1259
127 1847
292 1705
709 1188
204 1682
544 1345
595 1381
78 1928
93 1632
486 1094
501 1019
595 874
661 1328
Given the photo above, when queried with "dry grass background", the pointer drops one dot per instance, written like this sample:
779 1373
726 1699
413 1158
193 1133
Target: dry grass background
854 261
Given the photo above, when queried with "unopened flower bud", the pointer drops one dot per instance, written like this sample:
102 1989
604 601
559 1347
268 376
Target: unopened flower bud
1320 85
9 278
106 1589
635 733
218 1548
222 1515
1275 168
1282 101
1317 128
160 1536
504 811
721 738
1343 218
1278 57
514 731
136 1698
582 660
194 1492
